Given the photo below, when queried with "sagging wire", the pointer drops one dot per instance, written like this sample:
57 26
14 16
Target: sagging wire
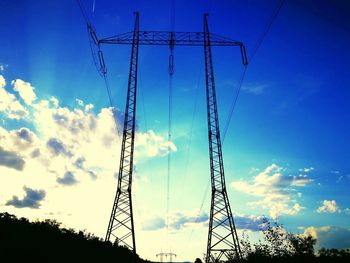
99 62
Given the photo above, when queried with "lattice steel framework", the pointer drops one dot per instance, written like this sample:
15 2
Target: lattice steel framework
222 235
121 223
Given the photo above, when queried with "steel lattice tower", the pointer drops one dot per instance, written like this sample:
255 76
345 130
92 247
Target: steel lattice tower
121 223
222 235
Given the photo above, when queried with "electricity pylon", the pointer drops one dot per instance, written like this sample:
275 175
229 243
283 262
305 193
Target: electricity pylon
222 237
170 255
121 222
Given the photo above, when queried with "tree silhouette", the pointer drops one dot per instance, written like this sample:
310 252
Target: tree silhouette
281 246
47 241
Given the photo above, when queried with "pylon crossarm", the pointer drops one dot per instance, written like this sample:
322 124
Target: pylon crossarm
167 37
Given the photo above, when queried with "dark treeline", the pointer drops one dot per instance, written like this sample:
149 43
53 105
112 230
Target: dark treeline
47 241
279 245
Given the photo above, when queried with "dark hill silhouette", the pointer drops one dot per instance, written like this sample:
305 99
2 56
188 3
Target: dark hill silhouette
47 241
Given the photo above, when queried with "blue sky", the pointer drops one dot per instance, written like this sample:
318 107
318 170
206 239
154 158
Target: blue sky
286 152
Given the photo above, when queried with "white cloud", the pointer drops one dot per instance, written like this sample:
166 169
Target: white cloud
176 220
9 104
329 236
306 169
31 199
254 88
275 189
153 223
340 178
71 153
150 144
80 102
250 222
25 90
328 206
54 101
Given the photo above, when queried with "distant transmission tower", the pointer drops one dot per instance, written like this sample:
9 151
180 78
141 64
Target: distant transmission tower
222 236
161 255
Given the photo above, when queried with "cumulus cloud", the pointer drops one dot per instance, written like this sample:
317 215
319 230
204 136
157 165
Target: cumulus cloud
151 144
250 222
58 147
9 105
153 223
11 159
80 102
329 236
31 199
67 179
275 189
62 135
177 220
25 90
307 169
183 219
328 206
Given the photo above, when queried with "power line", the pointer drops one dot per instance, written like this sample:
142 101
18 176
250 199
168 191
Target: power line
99 62
272 19
83 12
170 112
201 207
234 102
194 111
257 45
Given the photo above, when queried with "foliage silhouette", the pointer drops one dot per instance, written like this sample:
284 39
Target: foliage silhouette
281 246
47 241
